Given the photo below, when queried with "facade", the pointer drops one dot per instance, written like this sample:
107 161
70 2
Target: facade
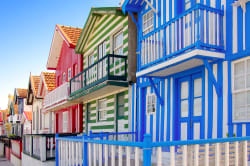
67 64
26 122
191 60
103 86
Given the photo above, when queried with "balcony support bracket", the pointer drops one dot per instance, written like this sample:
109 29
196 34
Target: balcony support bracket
217 85
149 4
156 91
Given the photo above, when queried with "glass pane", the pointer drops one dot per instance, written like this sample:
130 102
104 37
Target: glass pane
153 107
197 107
197 87
239 83
184 108
248 113
248 66
239 68
248 98
183 131
121 111
184 90
248 80
196 130
240 113
239 100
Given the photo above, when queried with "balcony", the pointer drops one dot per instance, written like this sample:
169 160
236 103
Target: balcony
109 74
17 118
183 42
57 99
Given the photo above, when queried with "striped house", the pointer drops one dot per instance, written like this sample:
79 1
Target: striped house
192 68
103 85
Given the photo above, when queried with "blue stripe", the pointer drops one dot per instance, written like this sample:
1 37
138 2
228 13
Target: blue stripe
220 101
247 17
202 134
162 109
158 116
239 130
210 107
168 109
133 110
175 123
151 125
247 129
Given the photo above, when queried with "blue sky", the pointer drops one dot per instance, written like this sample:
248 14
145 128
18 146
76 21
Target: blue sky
26 30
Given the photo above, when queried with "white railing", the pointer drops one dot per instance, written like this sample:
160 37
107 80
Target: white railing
87 151
57 96
200 27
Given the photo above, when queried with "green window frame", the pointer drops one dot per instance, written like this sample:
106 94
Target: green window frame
120 105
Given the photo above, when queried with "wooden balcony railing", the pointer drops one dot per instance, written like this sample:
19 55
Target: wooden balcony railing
91 151
16 148
200 27
110 67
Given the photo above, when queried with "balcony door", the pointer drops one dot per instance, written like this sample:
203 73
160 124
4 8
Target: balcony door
189 107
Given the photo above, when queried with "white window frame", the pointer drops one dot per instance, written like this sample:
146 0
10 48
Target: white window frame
118 47
103 51
102 110
69 74
151 96
65 121
243 90
145 19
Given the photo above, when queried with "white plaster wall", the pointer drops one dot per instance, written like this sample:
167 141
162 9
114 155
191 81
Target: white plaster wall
15 161
30 161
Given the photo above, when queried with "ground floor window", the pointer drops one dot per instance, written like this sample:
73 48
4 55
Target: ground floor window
241 90
102 112
65 121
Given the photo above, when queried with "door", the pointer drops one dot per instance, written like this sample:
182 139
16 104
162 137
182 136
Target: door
189 101
88 120
120 116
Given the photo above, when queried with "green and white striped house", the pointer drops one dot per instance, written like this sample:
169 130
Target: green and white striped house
103 86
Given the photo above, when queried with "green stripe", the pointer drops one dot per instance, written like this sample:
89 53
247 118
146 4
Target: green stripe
110 104
125 49
110 97
104 33
125 41
125 24
102 127
126 126
110 112
100 23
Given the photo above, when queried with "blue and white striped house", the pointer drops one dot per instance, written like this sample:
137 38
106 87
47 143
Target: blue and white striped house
191 102
193 68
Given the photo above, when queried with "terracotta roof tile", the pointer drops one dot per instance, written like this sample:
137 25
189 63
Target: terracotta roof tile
22 92
72 34
50 80
28 115
35 80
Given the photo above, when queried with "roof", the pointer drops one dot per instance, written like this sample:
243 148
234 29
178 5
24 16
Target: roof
62 33
49 80
89 24
35 80
71 34
28 115
21 92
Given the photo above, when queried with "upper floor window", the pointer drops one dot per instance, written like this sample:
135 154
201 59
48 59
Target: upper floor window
118 43
120 105
75 70
91 60
241 90
151 103
64 77
65 121
148 22
102 106
69 74
102 50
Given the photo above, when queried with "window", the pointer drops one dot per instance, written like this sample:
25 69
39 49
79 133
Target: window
91 60
151 103
187 4
75 70
241 90
102 50
64 77
69 74
102 106
65 121
88 112
120 105
118 44
148 22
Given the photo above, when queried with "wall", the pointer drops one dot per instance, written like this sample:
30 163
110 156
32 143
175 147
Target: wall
29 161
37 105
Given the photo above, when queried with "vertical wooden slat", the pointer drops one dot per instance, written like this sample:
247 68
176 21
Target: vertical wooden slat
51 146
100 154
112 155
94 154
120 155
184 155
172 155
128 156
184 30
106 157
217 154
137 157
90 154
245 157
159 156
226 153
70 153
236 152
77 154
196 155
206 154
74 153
80 152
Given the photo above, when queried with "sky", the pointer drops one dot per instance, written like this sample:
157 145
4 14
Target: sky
26 31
